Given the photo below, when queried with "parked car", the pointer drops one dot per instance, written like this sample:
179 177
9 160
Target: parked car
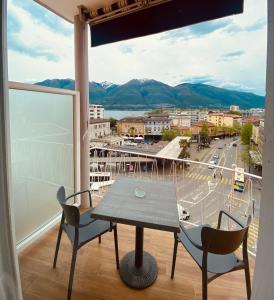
220 147
234 145
216 156
183 213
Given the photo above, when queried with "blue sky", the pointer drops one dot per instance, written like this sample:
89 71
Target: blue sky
229 53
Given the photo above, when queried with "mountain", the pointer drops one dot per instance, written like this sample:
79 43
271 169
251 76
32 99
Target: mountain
149 94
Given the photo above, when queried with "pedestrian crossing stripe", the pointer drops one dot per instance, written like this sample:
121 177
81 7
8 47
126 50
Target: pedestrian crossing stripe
226 181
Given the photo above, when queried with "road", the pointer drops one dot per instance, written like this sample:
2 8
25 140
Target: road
203 194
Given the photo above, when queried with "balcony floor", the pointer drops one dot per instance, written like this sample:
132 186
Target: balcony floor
96 276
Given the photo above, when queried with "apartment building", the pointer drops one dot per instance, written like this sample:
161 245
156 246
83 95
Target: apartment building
234 108
180 120
155 125
131 126
232 120
96 111
99 128
216 118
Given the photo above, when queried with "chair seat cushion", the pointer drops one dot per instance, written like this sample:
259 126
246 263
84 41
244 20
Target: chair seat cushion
216 263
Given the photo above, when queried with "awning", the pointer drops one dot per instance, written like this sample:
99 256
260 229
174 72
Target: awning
117 20
158 18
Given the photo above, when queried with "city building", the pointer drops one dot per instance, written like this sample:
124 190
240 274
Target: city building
180 120
96 111
261 137
99 128
257 112
251 120
155 125
232 120
197 127
131 126
216 118
234 108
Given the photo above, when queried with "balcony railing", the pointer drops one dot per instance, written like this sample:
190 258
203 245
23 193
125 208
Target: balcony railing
44 153
202 189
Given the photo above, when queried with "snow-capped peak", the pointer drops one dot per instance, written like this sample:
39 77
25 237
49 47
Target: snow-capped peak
106 84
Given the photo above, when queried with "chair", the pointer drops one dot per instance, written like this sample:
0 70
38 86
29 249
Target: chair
80 229
213 250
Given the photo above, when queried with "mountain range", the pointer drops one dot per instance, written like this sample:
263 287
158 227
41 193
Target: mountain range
150 94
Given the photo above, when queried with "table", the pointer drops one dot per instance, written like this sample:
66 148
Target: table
156 210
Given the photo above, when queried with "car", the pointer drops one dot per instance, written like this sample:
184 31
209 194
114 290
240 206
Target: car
216 156
212 164
220 147
234 145
183 213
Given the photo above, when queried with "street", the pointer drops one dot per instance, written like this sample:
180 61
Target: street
204 192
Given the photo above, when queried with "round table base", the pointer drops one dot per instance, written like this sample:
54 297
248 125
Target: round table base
138 278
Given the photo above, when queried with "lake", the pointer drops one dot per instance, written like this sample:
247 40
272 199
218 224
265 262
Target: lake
119 114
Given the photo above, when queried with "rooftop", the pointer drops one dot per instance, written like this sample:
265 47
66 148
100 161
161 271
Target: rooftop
203 123
98 121
132 120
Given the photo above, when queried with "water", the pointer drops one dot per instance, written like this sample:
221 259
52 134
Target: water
119 114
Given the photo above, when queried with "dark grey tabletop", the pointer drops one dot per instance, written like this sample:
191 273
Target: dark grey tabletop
157 209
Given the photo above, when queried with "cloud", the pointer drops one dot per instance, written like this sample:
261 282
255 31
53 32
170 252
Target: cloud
45 17
29 36
40 47
257 25
234 54
197 30
126 49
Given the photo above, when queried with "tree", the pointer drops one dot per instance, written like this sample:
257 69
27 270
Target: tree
246 133
184 145
188 134
232 112
204 136
245 157
113 123
170 134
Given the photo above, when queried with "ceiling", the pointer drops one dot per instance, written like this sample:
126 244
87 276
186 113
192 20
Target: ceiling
67 9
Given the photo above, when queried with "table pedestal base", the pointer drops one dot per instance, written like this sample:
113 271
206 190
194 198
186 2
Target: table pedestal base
142 277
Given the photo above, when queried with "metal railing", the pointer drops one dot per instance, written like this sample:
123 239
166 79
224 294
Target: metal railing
203 189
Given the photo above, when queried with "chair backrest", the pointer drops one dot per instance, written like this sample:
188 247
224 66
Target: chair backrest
72 214
220 241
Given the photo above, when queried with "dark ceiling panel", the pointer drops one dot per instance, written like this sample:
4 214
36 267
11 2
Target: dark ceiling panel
163 17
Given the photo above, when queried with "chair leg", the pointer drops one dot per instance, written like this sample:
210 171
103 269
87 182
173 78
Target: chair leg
100 240
174 256
71 274
247 280
57 246
116 247
204 284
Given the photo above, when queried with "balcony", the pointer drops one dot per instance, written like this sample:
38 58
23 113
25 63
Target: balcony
96 276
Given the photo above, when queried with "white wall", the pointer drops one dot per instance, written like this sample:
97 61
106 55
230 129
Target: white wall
263 285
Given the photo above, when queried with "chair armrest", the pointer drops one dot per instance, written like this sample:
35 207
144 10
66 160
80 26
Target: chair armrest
189 238
79 193
229 216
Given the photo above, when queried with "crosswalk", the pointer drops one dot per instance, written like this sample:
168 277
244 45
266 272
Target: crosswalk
197 176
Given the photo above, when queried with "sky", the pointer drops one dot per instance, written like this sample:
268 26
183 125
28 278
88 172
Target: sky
229 52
